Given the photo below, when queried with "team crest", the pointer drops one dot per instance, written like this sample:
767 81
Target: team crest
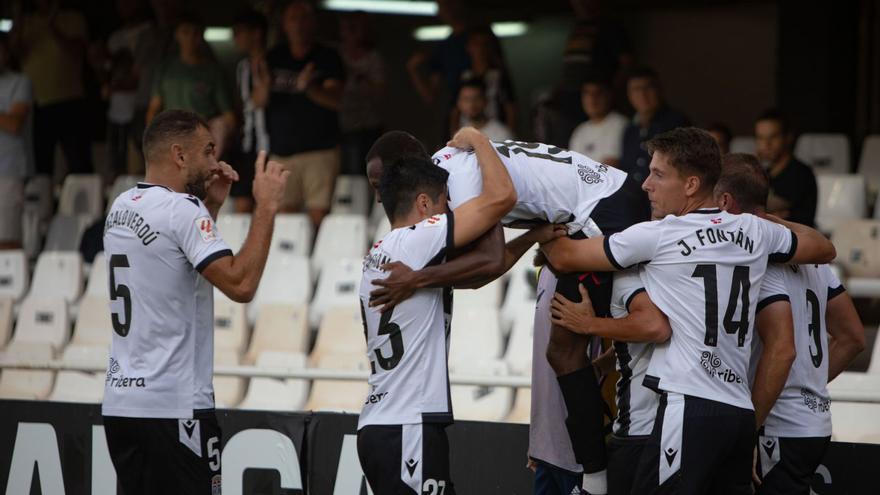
205 226
716 221
216 485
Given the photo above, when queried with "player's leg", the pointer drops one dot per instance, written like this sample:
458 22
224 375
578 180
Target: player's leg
733 475
184 456
787 465
435 472
380 452
659 467
127 452
624 454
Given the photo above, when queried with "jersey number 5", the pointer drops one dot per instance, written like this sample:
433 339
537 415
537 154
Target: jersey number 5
739 293
117 291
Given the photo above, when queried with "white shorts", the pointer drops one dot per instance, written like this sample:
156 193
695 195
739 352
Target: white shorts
11 202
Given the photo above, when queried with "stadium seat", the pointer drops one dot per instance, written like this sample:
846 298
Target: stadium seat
340 236
38 196
855 422
13 274
382 228
743 144
863 287
99 283
233 229
6 305
120 185
869 163
228 390
276 394
42 320
340 395
24 383
293 235
279 327
522 407
338 285
487 296
351 195
81 194
826 153
78 386
58 274
230 325
93 326
874 366
520 289
519 349
341 332
285 281
32 230
841 197
856 242
476 334
65 232
86 355
479 403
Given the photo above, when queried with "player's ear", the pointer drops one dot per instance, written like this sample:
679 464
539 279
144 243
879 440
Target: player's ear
177 154
692 184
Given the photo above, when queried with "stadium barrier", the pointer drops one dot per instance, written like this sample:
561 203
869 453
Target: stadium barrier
60 448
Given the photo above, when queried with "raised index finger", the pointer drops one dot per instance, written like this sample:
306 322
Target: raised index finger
260 163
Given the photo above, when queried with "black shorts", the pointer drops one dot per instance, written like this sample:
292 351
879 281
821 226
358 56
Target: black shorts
166 455
787 465
697 446
624 453
406 459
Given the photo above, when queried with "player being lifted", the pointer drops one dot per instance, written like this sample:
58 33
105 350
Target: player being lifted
553 185
164 254
401 431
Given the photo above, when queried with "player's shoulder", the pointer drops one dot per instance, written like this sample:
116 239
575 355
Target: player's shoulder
444 156
628 279
432 222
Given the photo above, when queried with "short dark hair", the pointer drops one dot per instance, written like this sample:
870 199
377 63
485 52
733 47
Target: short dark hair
691 151
778 116
170 124
597 80
743 177
475 83
395 145
403 180
252 19
643 72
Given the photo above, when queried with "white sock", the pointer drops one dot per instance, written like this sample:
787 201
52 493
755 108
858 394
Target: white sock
595 483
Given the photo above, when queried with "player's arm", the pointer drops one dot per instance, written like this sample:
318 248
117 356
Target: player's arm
776 331
569 255
811 246
238 276
478 215
644 323
846 334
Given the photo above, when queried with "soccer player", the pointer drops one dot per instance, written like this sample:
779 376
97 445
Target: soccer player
702 268
402 441
797 431
164 253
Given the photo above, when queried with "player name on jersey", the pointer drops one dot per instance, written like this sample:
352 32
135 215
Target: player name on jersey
134 222
708 236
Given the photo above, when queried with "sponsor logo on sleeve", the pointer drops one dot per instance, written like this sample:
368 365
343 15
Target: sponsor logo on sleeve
205 226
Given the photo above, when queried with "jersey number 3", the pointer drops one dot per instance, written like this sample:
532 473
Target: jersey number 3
117 291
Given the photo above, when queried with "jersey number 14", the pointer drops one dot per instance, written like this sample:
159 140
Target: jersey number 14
739 296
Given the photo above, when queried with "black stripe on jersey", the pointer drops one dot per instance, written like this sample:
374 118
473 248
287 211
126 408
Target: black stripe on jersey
653 383
624 384
632 296
707 211
607 244
784 257
767 301
835 291
213 257
145 185
450 231
437 418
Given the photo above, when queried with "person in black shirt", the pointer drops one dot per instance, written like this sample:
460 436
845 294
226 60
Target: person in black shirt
793 192
302 112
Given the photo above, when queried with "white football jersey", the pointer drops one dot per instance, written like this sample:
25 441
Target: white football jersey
552 184
803 408
162 353
408 346
636 403
704 271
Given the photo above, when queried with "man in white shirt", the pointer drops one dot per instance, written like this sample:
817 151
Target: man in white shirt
471 105
164 255
15 104
600 137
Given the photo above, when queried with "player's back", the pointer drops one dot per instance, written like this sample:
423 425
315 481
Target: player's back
407 346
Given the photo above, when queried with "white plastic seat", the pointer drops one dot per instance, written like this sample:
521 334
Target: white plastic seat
339 285
94 326
228 390
519 349
340 395
279 327
38 195
32 230
43 320
81 194
863 287
65 232
858 247
340 236
120 185
743 144
487 296
230 325
840 197
855 422
285 281
233 229
479 403
869 164
99 282
6 305
275 394
351 195
476 334
78 386
826 153
86 355
13 274
522 407
58 274
293 235
19 383
341 332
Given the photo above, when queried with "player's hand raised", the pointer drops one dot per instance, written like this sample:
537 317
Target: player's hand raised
467 138
218 185
270 179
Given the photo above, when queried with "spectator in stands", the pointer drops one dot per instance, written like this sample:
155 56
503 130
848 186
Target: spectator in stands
51 43
302 112
194 81
722 135
360 113
652 117
249 31
15 105
471 105
793 194
600 137
487 64
443 66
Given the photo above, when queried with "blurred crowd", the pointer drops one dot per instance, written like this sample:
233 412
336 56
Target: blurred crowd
316 105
